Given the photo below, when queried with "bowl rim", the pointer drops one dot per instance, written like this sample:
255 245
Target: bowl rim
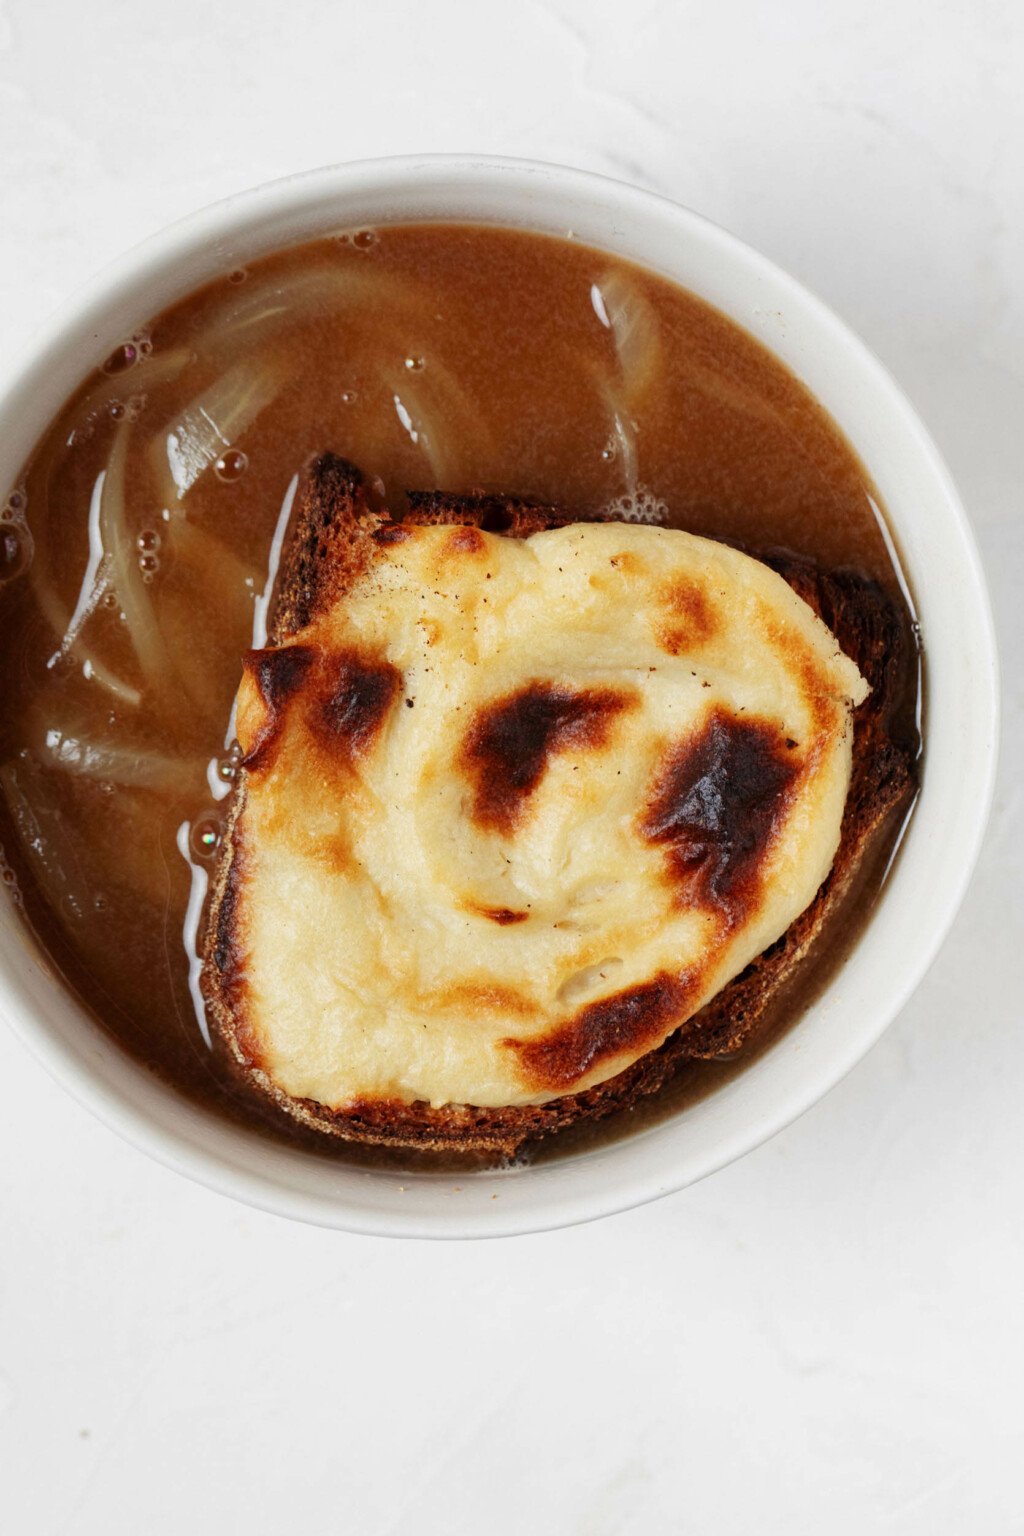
565 1205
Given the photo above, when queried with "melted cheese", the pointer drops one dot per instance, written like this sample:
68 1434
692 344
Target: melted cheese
516 809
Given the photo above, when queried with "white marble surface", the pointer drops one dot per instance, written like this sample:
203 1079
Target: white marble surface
826 1336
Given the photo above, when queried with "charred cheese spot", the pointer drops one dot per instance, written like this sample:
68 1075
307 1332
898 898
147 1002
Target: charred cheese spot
392 533
278 675
362 693
627 1023
466 541
503 916
717 803
688 620
508 747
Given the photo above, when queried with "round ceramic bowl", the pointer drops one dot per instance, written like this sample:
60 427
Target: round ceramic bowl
919 900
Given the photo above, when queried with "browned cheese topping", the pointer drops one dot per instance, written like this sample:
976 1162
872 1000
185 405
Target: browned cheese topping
514 810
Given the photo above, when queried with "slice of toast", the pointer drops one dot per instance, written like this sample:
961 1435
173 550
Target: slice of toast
334 532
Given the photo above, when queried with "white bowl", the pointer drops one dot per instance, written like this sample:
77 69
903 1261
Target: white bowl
921 897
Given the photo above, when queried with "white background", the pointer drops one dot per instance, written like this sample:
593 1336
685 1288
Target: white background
826 1337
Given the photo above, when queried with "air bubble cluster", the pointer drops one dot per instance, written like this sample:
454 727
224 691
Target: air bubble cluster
122 358
13 509
129 353
640 507
9 879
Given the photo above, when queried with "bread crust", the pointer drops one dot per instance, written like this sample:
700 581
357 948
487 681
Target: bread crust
333 532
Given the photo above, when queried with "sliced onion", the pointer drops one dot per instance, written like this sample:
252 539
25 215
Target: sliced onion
213 422
151 372
120 547
623 435
318 293
95 584
727 392
45 837
635 332
435 411
64 745
425 432
133 859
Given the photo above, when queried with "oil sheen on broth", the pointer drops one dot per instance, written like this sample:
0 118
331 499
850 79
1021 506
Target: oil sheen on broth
137 553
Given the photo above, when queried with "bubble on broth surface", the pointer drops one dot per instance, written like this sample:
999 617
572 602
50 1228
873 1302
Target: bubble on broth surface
415 364
348 397
364 238
122 358
227 766
239 275
9 879
148 541
204 837
231 465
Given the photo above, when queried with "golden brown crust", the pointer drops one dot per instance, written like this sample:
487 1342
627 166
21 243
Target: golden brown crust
332 533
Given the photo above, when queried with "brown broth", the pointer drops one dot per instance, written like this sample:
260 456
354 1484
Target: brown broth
433 356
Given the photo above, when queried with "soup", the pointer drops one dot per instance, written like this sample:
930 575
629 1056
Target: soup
139 549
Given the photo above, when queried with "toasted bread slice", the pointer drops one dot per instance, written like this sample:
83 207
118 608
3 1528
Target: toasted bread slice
334 536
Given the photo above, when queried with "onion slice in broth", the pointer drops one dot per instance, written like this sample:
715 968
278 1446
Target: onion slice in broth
95 585
626 313
212 423
62 745
634 328
45 837
436 412
121 549
321 294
